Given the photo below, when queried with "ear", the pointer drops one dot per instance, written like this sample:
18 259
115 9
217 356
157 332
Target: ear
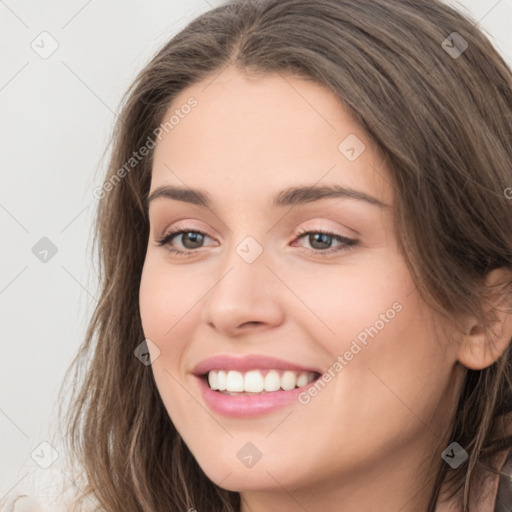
480 347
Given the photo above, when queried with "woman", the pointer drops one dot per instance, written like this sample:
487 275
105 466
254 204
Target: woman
306 244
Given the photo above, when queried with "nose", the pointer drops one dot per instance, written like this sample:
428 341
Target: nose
245 296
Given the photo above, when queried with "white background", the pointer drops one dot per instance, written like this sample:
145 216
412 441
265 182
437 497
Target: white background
57 114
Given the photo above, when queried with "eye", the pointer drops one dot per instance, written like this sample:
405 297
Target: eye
190 240
321 241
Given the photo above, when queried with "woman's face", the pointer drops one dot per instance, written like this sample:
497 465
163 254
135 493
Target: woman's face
280 162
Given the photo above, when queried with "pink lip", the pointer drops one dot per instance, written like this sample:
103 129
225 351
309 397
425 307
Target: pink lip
246 363
247 406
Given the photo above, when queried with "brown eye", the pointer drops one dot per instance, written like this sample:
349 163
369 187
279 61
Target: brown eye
190 240
321 242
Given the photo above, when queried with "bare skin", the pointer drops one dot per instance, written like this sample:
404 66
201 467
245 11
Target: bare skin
384 417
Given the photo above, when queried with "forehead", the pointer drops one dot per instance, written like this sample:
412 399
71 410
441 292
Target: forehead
265 133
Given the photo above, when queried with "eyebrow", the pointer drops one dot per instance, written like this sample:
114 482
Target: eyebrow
292 196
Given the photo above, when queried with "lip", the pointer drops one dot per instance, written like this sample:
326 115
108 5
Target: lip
248 406
246 363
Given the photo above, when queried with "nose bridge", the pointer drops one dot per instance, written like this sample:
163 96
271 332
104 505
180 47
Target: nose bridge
243 292
243 268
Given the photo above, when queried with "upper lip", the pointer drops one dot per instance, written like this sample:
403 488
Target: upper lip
246 363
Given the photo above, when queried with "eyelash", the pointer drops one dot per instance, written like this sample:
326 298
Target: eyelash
348 242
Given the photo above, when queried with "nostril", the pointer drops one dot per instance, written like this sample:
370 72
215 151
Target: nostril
251 323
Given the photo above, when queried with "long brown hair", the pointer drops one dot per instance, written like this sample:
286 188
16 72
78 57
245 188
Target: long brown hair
443 122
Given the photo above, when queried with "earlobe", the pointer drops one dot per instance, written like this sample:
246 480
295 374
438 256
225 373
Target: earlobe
483 344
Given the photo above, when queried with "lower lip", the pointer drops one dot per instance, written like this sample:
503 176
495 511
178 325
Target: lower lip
247 406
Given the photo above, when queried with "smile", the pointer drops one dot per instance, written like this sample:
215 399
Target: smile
233 382
251 385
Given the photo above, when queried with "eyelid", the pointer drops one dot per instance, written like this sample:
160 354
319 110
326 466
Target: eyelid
184 225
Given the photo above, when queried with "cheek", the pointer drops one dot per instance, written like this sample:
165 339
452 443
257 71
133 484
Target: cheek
165 298
386 363
169 309
350 301
164 321
157 310
393 378
165 302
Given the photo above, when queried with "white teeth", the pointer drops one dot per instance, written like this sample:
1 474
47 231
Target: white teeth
302 380
221 380
213 380
253 382
234 381
257 381
272 381
288 380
